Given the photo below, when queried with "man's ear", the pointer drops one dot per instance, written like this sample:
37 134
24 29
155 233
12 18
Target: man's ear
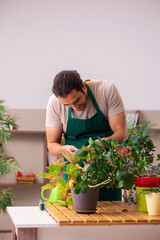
83 86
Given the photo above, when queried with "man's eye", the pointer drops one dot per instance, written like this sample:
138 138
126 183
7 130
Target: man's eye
77 100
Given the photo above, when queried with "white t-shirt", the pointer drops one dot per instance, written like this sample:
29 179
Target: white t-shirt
106 96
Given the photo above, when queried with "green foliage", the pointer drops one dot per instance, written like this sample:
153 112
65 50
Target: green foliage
125 179
54 169
81 153
71 170
6 199
135 155
7 164
99 166
69 200
63 203
7 123
48 186
107 163
150 190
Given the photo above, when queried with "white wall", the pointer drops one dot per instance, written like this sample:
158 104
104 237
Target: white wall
117 40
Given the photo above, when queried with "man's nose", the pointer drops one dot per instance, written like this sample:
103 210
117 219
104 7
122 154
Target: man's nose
75 107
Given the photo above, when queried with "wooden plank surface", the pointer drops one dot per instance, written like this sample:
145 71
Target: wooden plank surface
56 214
108 213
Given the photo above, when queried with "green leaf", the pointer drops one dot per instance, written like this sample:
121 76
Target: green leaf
45 175
86 167
128 181
84 183
61 181
96 147
134 139
150 190
158 157
77 189
7 165
108 155
48 186
112 143
69 200
81 153
6 199
144 130
78 178
63 203
120 184
120 175
54 169
70 157
83 189
90 141
71 169
106 143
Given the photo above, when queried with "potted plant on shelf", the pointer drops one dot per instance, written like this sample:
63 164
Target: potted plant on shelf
7 164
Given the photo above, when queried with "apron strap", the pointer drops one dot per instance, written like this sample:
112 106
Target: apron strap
69 112
92 98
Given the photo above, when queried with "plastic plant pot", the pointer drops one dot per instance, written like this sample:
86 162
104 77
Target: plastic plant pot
141 199
147 182
85 202
153 203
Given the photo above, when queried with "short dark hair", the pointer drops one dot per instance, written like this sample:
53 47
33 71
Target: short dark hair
65 81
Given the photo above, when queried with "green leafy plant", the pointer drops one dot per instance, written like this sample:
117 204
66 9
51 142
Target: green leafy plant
106 162
150 190
55 176
99 169
139 157
7 164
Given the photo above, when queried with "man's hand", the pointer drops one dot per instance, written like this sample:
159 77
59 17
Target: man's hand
70 148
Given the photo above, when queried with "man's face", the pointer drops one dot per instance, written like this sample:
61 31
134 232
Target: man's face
75 99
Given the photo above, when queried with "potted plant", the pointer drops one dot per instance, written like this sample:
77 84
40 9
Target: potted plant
106 162
7 164
139 161
101 167
146 173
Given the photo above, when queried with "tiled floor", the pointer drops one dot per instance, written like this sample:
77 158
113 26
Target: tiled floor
6 236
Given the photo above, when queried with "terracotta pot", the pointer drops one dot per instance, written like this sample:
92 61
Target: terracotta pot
85 202
147 181
153 203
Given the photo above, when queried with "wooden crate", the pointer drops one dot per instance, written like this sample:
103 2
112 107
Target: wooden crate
108 213
25 180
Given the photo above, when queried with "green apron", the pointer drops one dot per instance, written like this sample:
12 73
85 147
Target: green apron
78 132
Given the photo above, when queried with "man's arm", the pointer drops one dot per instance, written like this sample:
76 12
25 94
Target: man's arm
54 146
118 126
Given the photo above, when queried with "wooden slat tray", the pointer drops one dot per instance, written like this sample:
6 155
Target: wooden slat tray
108 213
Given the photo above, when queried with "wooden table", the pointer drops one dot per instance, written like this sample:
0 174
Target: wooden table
112 220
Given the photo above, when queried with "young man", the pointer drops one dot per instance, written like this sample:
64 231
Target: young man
81 110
